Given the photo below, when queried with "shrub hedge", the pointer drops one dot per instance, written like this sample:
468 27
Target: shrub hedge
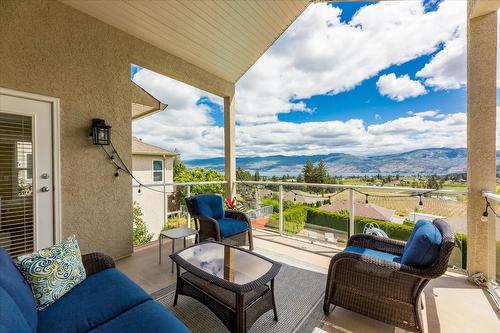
339 221
294 219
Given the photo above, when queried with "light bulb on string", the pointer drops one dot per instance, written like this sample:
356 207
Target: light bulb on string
366 198
484 218
420 202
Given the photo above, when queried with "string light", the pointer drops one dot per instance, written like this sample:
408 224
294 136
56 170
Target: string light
484 218
420 195
115 158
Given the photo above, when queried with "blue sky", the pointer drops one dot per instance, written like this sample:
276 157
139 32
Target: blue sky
360 78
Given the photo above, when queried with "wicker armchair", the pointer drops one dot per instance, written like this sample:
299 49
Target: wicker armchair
209 228
96 262
384 290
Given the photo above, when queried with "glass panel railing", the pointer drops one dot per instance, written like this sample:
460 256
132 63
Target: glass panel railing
322 212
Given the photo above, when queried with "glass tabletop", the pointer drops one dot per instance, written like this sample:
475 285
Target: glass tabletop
226 262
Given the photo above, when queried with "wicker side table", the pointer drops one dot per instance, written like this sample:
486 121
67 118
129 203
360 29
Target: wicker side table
235 284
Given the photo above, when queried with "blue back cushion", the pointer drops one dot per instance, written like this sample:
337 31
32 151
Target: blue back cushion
14 284
422 249
210 205
415 228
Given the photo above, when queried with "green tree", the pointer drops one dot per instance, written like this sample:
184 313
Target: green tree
179 168
140 232
242 174
256 177
321 173
201 175
308 172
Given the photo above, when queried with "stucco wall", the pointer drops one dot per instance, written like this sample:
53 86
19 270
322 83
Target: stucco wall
51 49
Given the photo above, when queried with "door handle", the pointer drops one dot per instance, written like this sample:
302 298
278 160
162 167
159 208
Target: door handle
45 189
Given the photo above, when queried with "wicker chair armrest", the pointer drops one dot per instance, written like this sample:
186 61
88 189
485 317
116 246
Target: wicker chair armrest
388 245
96 262
237 215
212 223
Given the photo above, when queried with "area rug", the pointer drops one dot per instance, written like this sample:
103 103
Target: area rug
299 294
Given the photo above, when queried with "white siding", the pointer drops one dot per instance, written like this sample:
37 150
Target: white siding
151 202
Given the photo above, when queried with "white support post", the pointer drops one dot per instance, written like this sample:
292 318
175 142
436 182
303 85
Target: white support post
188 216
352 230
281 209
230 146
481 133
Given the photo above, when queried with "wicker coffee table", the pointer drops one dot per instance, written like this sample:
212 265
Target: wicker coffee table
235 284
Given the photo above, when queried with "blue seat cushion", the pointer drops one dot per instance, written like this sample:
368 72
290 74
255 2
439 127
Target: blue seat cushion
229 227
373 253
97 299
11 317
422 250
14 284
149 316
210 205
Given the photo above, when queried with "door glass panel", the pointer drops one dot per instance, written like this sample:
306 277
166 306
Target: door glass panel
16 184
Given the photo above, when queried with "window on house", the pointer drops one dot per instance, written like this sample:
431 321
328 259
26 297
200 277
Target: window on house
157 170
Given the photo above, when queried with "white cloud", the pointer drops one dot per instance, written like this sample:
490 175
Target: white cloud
319 54
186 125
429 113
399 88
447 69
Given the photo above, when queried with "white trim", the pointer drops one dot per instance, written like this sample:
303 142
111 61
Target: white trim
153 171
56 151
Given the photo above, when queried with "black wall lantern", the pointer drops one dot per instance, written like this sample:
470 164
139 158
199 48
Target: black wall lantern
101 133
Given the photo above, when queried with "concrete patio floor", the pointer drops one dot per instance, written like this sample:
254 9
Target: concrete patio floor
451 304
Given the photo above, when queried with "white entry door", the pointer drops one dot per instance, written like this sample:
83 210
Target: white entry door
26 174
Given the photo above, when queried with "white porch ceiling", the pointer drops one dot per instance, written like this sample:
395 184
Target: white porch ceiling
222 37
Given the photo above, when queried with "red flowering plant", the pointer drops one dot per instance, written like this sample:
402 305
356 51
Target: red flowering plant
230 203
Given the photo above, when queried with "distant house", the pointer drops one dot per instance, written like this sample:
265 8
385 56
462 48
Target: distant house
152 166
369 210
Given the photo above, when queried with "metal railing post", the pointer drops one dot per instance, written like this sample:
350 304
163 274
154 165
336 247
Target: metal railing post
351 230
165 198
188 216
281 210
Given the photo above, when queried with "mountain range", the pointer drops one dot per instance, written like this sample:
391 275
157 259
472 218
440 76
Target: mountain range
422 161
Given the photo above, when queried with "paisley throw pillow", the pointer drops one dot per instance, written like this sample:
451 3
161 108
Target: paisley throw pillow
53 271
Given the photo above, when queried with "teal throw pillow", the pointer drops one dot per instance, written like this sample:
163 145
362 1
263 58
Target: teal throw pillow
53 271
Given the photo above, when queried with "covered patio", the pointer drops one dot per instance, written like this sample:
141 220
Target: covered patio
76 56
451 303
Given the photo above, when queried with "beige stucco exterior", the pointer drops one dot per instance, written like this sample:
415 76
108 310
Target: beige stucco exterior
481 133
51 49
153 204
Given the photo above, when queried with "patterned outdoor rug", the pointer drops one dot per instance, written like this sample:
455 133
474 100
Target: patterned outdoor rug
299 296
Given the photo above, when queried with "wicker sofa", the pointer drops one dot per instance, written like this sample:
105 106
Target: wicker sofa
215 223
369 278
106 301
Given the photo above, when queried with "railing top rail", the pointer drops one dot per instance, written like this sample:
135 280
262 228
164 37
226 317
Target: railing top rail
183 184
358 187
491 195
